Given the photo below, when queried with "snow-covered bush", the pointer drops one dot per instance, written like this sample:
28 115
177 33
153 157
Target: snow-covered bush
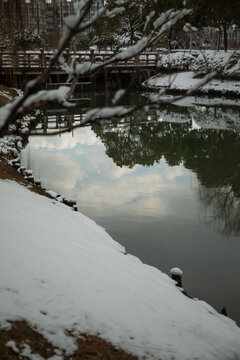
176 61
23 40
222 62
210 61
202 62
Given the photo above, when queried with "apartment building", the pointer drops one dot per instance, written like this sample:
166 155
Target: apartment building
42 16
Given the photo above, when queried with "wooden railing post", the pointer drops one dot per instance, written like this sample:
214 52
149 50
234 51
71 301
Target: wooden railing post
92 56
15 61
42 58
68 56
137 59
147 62
29 61
115 52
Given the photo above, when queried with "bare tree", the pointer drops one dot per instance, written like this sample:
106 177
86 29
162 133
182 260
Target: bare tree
34 98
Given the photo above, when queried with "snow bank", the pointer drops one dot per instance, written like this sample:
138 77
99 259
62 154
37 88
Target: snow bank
227 64
11 145
59 270
186 81
176 61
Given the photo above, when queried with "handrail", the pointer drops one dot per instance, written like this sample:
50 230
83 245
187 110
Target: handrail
41 59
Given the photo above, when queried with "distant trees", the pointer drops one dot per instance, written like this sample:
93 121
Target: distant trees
25 39
164 5
15 33
131 24
223 14
14 19
220 14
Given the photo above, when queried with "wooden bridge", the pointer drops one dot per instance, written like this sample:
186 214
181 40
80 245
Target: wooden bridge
35 61
26 65
47 124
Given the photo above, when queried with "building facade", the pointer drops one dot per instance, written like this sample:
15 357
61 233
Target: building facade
41 16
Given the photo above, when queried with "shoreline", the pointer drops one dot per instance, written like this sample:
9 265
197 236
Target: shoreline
20 332
15 334
94 350
184 82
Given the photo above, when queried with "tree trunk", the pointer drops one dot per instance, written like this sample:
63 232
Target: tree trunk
225 34
170 40
131 35
131 30
219 39
191 37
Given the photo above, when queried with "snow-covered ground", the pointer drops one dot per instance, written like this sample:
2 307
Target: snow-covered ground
184 81
59 271
226 63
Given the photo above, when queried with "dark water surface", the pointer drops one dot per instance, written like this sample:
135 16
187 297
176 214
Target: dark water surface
165 184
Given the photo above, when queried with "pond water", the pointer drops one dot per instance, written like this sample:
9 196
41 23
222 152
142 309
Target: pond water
164 183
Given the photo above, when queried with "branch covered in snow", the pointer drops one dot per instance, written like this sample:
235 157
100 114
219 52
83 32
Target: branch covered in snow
74 24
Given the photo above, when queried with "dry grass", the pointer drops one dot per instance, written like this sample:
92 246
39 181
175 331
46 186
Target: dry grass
7 172
89 347
5 93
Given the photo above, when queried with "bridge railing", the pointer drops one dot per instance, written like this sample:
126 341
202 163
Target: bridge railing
41 59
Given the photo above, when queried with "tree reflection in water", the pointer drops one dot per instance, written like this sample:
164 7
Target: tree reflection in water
222 206
210 153
205 139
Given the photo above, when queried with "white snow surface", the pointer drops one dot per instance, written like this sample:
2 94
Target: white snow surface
176 271
186 81
59 270
227 63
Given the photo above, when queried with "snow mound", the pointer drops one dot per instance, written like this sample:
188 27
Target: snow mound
176 61
203 62
59 271
187 81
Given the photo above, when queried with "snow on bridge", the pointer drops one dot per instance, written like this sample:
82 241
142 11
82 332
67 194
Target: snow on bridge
37 60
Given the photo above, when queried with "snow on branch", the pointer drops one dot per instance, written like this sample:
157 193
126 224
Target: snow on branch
43 97
161 25
73 25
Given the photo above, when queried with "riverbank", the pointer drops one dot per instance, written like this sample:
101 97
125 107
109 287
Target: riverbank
182 71
20 339
16 335
184 82
75 279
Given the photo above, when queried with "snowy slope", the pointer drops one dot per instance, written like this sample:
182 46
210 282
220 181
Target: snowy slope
227 63
59 270
186 81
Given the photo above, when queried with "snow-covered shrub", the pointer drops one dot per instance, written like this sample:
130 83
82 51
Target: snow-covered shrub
176 61
210 61
225 63
202 62
21 40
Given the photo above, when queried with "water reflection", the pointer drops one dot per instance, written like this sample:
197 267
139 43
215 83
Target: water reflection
155 181
205 152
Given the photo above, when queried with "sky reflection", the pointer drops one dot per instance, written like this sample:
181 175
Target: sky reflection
154 211
82 170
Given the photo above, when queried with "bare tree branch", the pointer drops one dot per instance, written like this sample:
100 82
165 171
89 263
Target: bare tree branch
74 24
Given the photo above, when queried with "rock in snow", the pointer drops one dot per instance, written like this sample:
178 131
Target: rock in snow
59 270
